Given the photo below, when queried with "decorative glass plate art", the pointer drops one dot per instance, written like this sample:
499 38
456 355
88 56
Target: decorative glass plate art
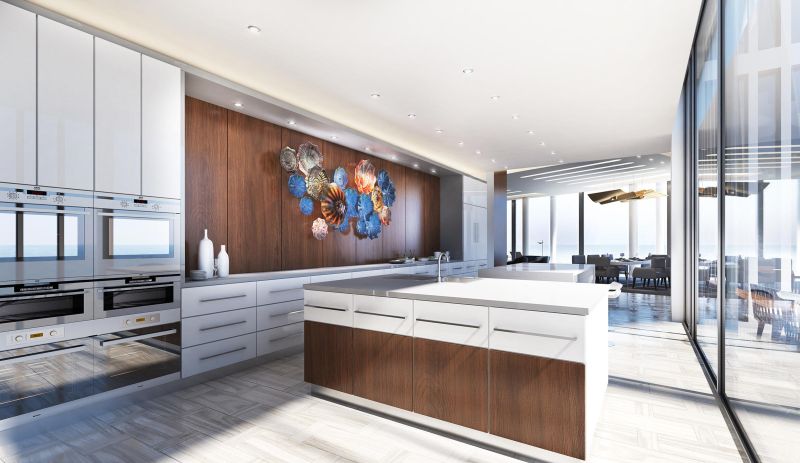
365 176
289 159
297 185
308 157
333 204
340 177
316 182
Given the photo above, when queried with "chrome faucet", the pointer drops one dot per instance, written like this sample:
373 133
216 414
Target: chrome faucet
439 267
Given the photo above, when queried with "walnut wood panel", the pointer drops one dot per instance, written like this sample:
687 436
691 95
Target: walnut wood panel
414 196
328 355
538 401
299 247
340 248
254 191
394 235
370 251
206 182
430 215
451 382
382 367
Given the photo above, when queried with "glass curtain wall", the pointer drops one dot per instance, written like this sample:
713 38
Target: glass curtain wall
536 216
606 228
566 239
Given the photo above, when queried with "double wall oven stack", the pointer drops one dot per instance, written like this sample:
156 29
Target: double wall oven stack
89 295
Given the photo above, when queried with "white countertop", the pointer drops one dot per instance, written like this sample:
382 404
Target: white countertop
545 272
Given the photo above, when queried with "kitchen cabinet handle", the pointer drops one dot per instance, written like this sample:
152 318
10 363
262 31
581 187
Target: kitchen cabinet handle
285 290
326 308
364 312
286 337
138 215
42 355
42 296
287 313
538 335
114 342
134 288
238 349
222 298
463 325
208 328
43 211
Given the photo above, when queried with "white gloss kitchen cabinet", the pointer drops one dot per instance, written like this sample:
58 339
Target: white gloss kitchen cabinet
17 95
475 229
65 85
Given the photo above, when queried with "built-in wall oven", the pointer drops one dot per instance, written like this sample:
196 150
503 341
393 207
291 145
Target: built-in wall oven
34 305
137 294
136 236
45 234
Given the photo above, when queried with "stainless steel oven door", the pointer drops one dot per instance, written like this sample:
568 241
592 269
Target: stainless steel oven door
32 306
45 235
37 377
136 355
136 236
135 295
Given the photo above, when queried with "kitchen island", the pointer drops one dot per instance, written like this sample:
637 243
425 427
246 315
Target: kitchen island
512 364
575 273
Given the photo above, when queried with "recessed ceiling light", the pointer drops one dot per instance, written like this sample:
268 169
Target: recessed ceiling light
254 29
334 137
515 116
638 156
394 157
467 70
292 122
561 161
651 159
494 97
553 153
493 161
530 132
478 152
505 167
416 166
439 131
460 143
375 96
662 162
412 115
541 143
238 104
433 171
367 148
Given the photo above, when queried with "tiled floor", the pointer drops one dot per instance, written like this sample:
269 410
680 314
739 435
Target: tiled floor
658 408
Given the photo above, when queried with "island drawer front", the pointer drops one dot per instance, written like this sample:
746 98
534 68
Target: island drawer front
425 270
218 354
285 289
282 337
332 308
208 328
385 314
280 314
456 323
543 334
205 300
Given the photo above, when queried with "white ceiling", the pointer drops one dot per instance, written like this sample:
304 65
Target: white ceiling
592 79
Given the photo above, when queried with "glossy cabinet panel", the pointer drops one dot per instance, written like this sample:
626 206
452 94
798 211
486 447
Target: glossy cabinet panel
455 323
280 314
544 334
280 338
162 128
223 325
385 314
382 367
282 290
218 354
206 300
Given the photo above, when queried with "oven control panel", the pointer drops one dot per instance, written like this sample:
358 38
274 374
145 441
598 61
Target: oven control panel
29 336
145 319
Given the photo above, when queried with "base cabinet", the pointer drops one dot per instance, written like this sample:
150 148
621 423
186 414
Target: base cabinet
451 382
538 401
329 356
382 366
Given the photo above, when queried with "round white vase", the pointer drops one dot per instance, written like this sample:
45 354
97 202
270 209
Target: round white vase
205 255
223 263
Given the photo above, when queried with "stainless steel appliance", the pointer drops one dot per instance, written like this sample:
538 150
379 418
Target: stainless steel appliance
136 236
134 295
30 306
45 234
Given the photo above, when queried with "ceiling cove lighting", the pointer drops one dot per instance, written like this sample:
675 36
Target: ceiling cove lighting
254 29
590 175
570 168
580 173
592 179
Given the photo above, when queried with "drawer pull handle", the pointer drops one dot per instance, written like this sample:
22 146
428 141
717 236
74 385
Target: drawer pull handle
463 325
293 312
326 308
286 337
239 349
223 326
538 335
222 298
286 290
140 337
364 312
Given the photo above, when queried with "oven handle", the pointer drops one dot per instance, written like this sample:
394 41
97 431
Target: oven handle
43 296
42 355
139 337
137 215
134 288
43 211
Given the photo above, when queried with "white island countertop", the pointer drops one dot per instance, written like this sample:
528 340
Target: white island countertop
581 273
543 296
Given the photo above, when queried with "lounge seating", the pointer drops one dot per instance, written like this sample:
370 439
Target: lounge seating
537 259
579 259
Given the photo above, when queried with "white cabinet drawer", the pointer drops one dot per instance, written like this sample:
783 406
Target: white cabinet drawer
457 268
218 354
543 334
384 314
208 328
282 313
333 308
331 277
280 338
206 300
286 289
369 273
403 270
456 323
425 270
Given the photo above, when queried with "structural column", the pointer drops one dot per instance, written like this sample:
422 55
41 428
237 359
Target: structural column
553 229
633 222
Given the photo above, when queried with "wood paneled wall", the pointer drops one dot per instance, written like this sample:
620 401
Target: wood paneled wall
236 189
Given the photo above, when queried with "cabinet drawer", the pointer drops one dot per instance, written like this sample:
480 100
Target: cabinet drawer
206 300
280 338
332 308
331 277
282 313
207 328
425 270
456 323
543 334
369 273
383 314
457 268
218 354
287 289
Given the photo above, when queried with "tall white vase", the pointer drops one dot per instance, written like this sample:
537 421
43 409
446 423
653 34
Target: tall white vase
223 263
205 255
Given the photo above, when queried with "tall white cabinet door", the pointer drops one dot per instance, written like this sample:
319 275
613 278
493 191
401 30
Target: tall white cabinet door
118 116
17 95
481 230
162 128
469 248
65 106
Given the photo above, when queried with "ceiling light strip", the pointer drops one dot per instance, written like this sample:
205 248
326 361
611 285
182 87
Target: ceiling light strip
589 180
586 170
581 176
572 168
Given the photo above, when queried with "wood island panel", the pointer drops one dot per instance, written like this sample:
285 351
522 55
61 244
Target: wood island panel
328 353
383 367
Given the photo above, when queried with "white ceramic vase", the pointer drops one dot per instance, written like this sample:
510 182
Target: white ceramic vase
223 263
205 255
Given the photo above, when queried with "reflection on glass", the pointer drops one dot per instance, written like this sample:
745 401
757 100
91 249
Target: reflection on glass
537 226
129 237
40 235
8 235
